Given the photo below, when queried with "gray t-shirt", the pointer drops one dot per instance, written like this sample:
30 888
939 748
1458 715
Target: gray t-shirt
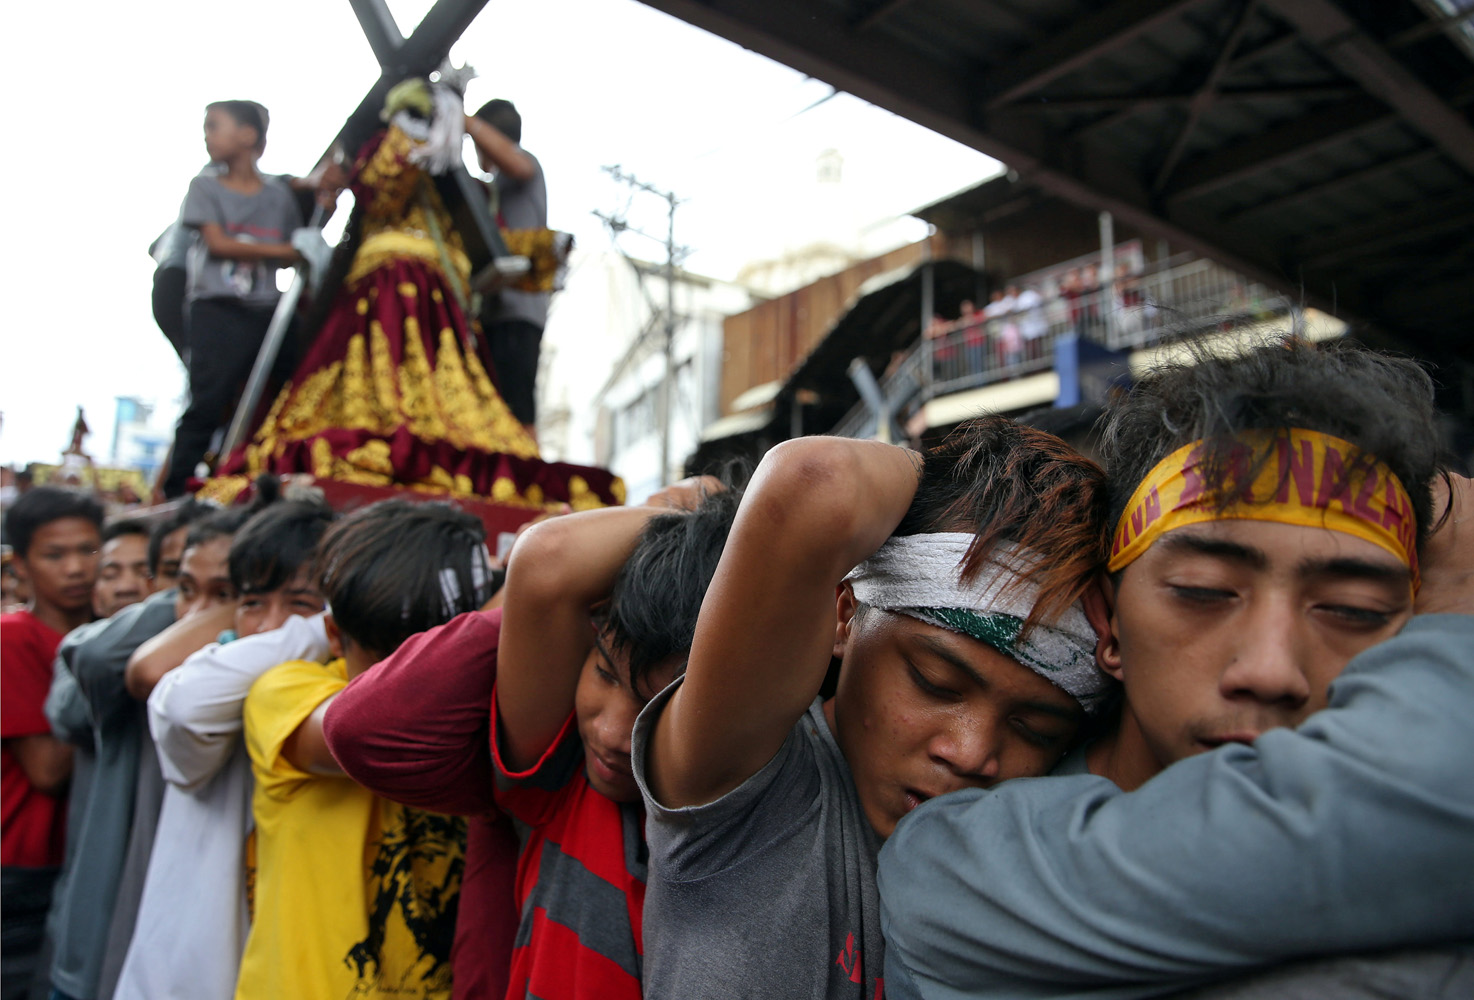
770 890
1349 834
71 720
84 909
520 205
148 801
1417 974
268 216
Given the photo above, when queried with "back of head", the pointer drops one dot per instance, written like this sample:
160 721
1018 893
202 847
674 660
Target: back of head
127 526
1077 426
652 610
397 568
38 507
1000 480
502 115
187 513
226 521
1381 405
273 545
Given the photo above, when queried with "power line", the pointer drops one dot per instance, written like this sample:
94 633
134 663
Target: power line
618 225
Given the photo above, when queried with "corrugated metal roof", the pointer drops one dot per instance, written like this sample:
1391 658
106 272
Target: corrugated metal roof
1323 146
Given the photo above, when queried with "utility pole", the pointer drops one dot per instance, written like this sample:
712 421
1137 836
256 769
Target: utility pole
672 254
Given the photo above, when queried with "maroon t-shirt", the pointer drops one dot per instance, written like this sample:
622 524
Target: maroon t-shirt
33 825
416 729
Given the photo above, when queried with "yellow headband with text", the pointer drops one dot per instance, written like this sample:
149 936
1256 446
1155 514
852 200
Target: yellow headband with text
1310 479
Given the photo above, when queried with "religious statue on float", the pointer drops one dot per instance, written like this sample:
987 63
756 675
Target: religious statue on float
396 386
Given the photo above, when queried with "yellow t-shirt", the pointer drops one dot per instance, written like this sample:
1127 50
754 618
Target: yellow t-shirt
355 895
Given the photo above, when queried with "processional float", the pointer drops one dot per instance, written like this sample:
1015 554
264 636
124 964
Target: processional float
382 402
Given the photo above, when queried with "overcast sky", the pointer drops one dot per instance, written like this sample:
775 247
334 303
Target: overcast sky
105 119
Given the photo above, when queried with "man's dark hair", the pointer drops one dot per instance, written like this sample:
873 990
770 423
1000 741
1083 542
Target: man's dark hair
187 513
1001 480
274 544
398 567
652 609
247 113
1382 405
502 115
1077 426
38 507
229 520
127 526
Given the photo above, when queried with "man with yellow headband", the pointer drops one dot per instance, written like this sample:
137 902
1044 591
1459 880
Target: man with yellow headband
1272 518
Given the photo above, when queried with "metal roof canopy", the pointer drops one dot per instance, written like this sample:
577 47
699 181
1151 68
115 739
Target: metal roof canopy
1321 146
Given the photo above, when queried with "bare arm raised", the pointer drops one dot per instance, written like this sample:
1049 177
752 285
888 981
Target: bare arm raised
815 508
171 647
500 150
556 572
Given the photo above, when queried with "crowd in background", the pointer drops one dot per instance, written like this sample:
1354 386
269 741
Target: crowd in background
757 738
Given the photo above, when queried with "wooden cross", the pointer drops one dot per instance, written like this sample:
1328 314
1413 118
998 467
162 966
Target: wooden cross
419 55
399 58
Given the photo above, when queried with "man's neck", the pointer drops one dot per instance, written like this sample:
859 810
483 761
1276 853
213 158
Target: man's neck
1123 755
57 618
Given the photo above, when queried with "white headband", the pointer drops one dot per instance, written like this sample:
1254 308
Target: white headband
919 576
450 588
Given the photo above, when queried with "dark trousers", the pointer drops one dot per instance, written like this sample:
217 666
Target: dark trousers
224 339
25 898
168 303
514 346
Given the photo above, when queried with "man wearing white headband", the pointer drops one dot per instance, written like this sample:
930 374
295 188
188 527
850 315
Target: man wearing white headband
964 658
1269 513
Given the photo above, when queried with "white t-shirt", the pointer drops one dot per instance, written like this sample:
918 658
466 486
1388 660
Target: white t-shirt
192 921
1030 304
1002 307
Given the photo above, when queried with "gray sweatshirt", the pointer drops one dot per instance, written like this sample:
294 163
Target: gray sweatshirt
1352 833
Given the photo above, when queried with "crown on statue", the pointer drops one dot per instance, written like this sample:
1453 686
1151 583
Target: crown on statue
454 77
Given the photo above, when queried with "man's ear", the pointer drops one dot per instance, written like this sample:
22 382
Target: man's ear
844 608
1099 601
335 635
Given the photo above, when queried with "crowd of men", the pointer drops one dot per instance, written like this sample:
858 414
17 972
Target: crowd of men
986 720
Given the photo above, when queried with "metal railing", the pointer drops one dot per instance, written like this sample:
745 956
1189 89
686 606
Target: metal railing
1182 297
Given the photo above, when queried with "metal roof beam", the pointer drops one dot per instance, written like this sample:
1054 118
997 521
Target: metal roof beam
1429 28
1282 144
809 36
1079 44
1345 45
1436 304
1338 247
1337 184
879 12
1273 47
1247 95
1203 99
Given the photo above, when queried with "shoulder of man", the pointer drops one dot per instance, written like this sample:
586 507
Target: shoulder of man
19 630
279 701
138 622
27 644
204 186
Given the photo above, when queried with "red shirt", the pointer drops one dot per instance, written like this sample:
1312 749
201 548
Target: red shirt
415 728
32 824
580 880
